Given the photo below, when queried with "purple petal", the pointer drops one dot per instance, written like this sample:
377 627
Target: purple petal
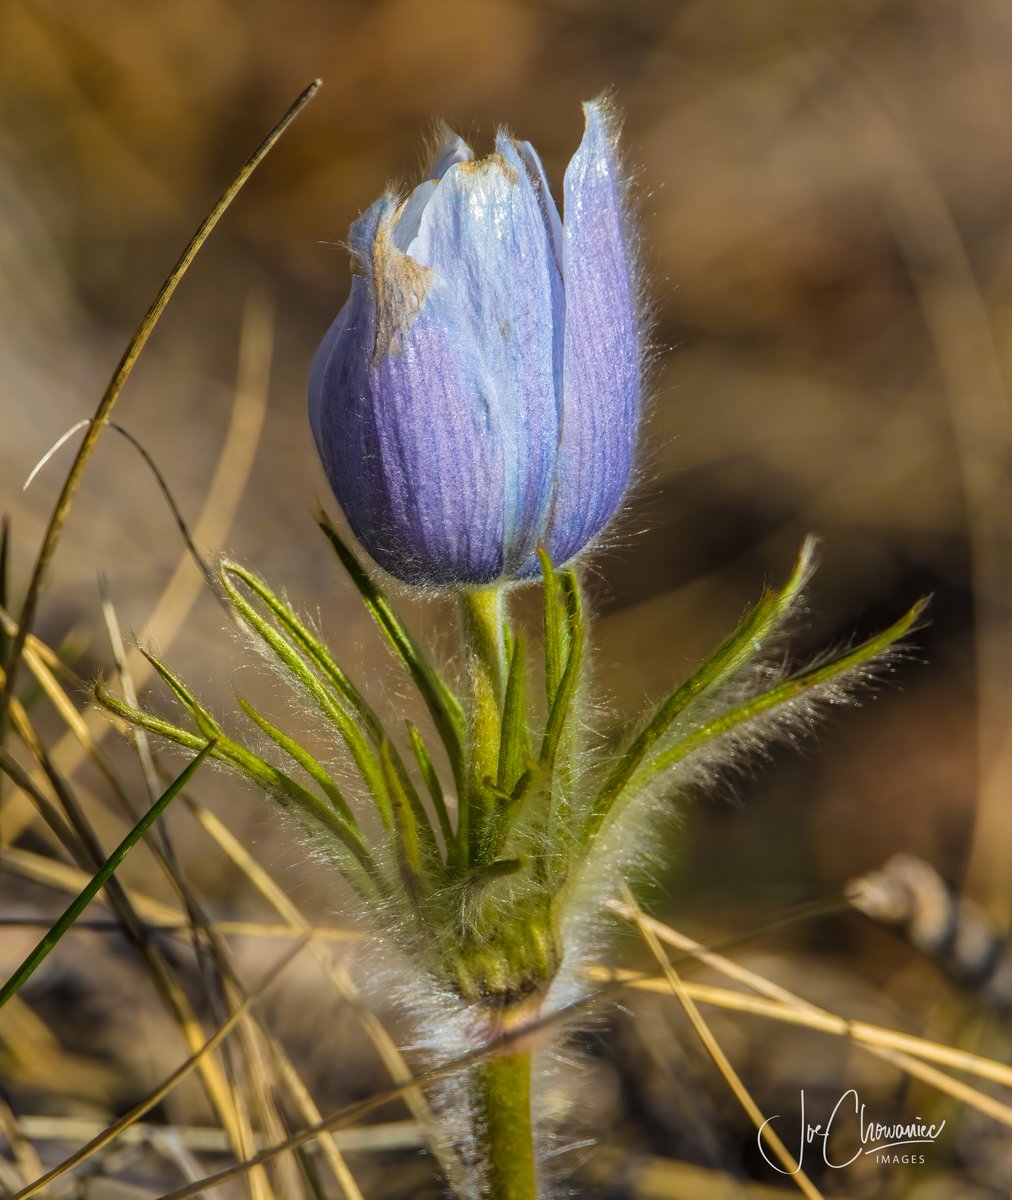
546 202
602 358
484 238
413 455
450 150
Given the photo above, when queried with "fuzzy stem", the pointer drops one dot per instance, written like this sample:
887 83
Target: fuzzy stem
504 1133
482 615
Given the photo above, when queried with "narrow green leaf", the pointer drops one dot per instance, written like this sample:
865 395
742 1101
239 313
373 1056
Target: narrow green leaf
531 783
433 786
285 790
555 630
501 868
205 722
361 712
730 656
410 854
514 719
100 878
576 637
306 761
443 705
331 707
149 722
791 689
311 645
537 781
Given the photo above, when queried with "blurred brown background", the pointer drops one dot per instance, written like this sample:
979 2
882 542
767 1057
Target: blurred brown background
824 195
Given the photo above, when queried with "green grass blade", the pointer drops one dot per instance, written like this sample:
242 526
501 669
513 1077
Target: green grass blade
444 707
101 877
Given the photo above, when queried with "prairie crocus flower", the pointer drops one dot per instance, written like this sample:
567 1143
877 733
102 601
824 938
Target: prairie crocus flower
476 405
479 393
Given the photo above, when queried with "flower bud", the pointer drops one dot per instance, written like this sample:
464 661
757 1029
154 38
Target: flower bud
479 393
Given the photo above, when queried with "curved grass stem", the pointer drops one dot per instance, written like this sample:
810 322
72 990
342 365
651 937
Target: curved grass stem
115 386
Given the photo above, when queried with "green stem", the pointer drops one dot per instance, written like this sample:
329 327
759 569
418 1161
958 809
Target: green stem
505 1136
482 616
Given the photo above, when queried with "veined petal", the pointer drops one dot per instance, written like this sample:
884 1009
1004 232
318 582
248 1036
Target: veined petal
409 216
479 392
484 239
450 150
355 323
340 408
414 462
549 209
602 358
439 432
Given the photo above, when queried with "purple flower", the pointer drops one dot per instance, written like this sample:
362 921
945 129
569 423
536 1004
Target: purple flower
479 393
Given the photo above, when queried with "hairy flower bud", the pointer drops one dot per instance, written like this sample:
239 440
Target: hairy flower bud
479 393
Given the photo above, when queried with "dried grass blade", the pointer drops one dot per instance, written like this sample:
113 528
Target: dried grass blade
723 1064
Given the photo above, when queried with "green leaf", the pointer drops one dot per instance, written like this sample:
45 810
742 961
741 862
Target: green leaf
306 761
555 625
729 657
410 851
514 719
501 868
443 705
285 790
564 694
537 781
101 877
433 786
311 646
203 719
303 640
331 707
784 693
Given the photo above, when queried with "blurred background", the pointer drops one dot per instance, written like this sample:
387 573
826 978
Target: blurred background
824 199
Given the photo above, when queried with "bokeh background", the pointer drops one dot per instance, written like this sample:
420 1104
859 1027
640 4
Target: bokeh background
824 200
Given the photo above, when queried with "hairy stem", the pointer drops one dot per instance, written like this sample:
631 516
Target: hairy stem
505 1141
482 615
